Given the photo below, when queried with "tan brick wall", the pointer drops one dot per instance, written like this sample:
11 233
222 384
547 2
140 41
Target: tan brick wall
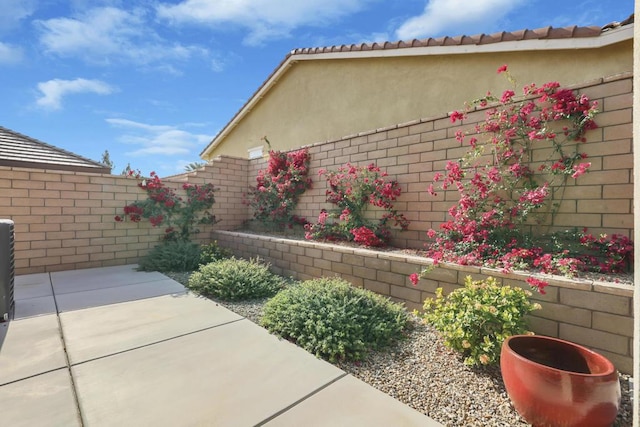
595 314
65 220
413 152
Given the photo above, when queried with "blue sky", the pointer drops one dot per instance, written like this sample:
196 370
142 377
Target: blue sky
153 81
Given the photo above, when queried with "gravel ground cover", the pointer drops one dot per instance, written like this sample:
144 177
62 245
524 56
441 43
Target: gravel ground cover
422 373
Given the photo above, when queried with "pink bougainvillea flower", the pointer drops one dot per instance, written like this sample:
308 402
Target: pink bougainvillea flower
456 115
415 278
580 169
537 284
506 96
502 68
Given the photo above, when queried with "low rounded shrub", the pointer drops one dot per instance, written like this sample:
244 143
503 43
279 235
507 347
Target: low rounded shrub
476 319
334 320
235 279
171 256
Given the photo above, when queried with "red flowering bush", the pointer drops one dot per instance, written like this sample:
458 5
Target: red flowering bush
353 189
503 188
279 187
163 207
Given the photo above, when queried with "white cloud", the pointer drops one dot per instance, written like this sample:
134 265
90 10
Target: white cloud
54 90
10 54
263 18
108 34
456 17
158 139
14 11
217 65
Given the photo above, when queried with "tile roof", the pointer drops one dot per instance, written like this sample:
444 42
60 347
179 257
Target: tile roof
545 33
18 150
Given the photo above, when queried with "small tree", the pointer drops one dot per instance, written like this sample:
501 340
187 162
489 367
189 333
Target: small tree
194 166
106 160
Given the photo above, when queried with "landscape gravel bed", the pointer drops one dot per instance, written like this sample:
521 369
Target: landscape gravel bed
424 374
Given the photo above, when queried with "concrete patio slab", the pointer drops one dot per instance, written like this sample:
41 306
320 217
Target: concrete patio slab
32 286
31 307
112 295
350 402
65 282
45 400
115 328
130 348
29 347
232 375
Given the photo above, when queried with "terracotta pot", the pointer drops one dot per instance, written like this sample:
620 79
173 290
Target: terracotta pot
552 382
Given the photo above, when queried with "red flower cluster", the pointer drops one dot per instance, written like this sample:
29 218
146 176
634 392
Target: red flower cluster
279 187
499 193
537 284
366 237
352 189
164 207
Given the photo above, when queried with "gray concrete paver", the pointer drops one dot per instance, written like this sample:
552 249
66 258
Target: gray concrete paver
110 329
350 402
32 286
43 401
145 352
65 282
233 375
31 307
29 347
117 294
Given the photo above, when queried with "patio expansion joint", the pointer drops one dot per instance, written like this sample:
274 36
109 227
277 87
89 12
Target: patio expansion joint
158 342
34 375
302 399
76 400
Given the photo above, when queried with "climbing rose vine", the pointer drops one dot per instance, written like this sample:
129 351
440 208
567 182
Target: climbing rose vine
352 189
527 148
163 207
279 187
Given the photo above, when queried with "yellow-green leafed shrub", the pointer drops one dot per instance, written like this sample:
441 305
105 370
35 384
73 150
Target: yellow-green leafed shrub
476 319
334 320
235 279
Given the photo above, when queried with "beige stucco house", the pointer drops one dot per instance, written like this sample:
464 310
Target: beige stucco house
322 94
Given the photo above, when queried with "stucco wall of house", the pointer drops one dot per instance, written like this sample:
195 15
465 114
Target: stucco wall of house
320 100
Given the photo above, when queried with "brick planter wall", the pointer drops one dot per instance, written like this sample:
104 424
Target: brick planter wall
595 314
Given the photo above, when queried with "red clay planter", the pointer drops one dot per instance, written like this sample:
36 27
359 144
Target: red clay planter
553 382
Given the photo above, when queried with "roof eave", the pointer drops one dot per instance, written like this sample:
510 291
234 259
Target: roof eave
606 38
52 166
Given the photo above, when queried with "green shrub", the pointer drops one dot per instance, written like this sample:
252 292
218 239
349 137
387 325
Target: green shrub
172 256
235 279
212 252
334 320
476 319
